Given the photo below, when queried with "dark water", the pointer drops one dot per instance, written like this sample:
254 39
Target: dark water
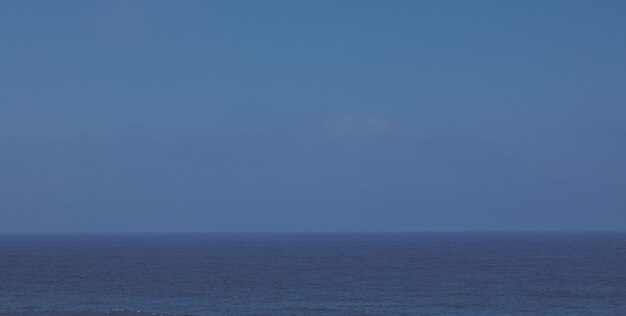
314 274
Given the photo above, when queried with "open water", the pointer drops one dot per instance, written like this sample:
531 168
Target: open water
313 274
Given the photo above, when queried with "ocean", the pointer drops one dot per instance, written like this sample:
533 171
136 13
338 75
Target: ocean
313 274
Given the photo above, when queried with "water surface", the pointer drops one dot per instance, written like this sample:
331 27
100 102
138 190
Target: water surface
314 274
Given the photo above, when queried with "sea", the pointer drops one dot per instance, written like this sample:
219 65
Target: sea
313 274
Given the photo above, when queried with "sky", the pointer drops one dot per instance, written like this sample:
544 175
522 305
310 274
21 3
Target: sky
205 116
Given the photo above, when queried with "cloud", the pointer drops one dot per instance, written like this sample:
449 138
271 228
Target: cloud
356 126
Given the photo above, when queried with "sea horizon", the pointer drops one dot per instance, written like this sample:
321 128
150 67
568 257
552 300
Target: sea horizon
314 158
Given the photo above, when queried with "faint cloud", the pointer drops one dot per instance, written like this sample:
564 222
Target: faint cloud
356 126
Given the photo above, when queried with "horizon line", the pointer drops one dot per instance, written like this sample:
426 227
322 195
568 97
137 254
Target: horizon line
315 232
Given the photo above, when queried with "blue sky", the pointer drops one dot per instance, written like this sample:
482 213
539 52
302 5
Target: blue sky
312 115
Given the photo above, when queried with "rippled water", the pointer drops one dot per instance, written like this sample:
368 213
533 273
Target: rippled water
313 274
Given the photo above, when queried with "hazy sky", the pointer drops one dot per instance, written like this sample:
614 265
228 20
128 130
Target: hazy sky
312 115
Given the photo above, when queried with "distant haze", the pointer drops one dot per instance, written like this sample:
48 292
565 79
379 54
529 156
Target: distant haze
312 115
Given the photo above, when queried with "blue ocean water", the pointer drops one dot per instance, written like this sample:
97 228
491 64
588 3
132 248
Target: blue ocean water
313 274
